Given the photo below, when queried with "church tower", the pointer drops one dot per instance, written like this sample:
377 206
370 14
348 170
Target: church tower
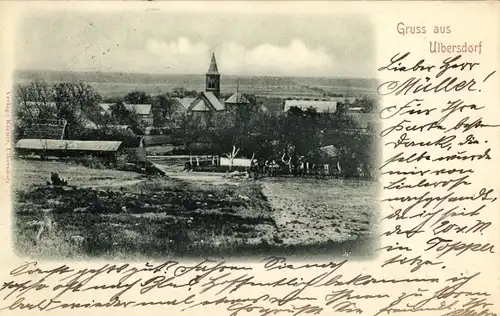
212 83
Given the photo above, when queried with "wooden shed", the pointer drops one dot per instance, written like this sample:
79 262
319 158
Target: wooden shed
68 148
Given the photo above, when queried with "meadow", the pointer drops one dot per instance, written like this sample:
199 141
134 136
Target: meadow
116 214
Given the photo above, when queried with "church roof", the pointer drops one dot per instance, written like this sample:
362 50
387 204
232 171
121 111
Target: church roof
200 105
237 98
206 101
212 70
213 100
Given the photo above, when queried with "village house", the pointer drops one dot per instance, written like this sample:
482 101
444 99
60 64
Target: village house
236 100
143 111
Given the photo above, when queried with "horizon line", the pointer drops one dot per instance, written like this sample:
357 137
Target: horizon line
191 74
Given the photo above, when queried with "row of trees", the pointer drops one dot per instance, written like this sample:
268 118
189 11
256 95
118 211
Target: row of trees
76 104
297 133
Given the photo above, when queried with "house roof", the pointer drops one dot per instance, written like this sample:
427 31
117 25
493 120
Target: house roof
330 150
185 102
343 99
141 109
212 69
58 144
273 105
356 109
320 106
87 123
200 105
53 129
237 98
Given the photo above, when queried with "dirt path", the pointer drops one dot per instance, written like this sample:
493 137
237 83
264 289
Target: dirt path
116 184
175 172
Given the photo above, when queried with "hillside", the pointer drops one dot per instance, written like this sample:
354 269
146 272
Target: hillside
118 84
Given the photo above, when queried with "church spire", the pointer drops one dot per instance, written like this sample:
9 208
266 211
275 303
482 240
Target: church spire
212 70
212 83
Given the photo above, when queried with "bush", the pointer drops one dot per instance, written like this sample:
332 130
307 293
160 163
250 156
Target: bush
121 162
112 134
92 162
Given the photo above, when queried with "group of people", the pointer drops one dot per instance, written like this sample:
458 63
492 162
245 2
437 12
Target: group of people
299 168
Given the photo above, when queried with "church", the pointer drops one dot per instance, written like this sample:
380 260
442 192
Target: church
209 103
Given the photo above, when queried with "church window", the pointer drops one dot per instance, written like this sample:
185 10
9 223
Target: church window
211 83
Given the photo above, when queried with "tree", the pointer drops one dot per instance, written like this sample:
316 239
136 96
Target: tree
190 131
137 97
167 111
368 104
34 104
123 115
300 129
181 92
75 103
358 155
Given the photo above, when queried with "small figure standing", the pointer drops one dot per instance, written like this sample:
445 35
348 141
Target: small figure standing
56 180
187 167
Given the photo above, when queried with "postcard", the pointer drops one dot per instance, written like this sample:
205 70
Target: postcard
250 158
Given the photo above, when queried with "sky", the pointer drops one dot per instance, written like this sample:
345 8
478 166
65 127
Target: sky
182 43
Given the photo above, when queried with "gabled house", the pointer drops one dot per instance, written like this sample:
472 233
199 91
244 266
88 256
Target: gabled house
236 101
236 98
143 111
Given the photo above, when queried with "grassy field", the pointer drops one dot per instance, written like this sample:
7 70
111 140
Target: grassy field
110 85
113 214
28 173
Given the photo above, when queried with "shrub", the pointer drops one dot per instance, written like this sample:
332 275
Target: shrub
92 162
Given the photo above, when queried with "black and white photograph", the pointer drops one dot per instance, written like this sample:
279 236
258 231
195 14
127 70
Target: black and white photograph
194 133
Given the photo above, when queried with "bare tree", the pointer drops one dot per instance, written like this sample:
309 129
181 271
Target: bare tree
35 102
75 102
232 155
